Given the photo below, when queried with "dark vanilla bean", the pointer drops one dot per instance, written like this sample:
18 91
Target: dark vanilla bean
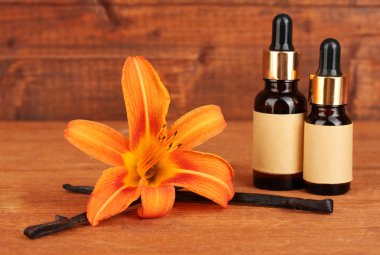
87 189
62 223
252 199
241 198
78 189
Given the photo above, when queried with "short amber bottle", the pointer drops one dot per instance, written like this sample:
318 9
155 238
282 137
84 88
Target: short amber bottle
328 129
279 114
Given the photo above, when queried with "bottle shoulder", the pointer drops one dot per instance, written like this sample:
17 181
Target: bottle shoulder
328 121
328 116
280 103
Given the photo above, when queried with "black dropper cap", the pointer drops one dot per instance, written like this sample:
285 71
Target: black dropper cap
329 58
282 33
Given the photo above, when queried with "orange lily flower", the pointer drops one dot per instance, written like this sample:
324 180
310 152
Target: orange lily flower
155 158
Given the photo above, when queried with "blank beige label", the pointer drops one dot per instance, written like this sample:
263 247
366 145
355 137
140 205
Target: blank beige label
277 143
328 154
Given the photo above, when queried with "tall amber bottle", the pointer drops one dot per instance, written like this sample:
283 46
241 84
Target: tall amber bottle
328 129
278 115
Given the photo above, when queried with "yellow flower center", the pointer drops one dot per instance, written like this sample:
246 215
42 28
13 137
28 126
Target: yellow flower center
150 163
151 173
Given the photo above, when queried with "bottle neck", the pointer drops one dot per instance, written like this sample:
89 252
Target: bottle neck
277 86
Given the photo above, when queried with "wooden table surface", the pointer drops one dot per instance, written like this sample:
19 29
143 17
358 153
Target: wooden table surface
36 160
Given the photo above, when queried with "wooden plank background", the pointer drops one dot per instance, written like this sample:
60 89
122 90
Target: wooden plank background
62 60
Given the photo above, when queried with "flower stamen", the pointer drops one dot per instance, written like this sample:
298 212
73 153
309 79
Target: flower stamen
160 135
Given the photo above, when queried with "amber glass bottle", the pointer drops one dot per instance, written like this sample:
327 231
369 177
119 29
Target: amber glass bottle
328 129
279 114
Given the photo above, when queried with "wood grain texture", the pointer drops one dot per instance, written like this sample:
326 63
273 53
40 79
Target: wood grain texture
204 2
62 59
36 161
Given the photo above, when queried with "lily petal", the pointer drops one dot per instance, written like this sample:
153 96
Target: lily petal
205 174
197 126
110 196
156 201
146 99
97 140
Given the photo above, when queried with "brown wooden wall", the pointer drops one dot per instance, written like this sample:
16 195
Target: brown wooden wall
62 59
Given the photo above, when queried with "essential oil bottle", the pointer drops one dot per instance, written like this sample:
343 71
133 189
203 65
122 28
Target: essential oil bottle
328 130
278 116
